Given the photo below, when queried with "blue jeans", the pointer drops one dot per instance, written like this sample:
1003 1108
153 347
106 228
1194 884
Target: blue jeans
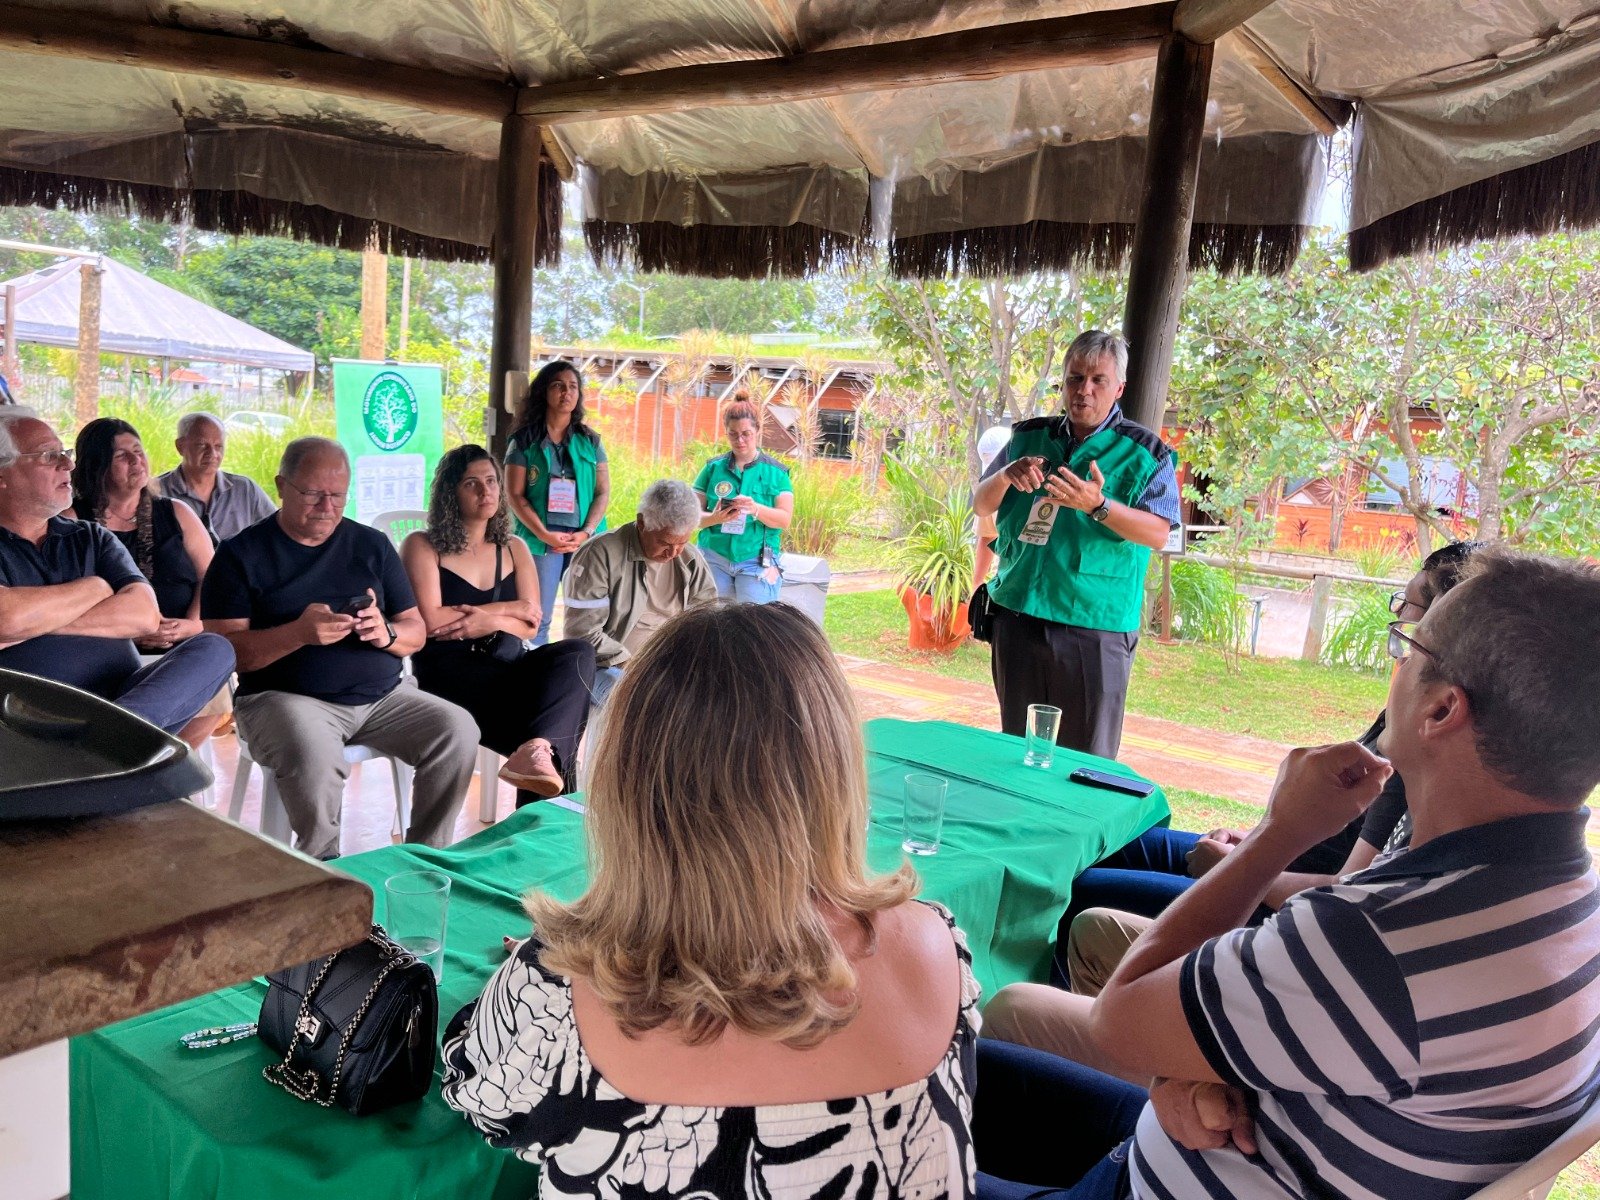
551 567
171 690
742 581
1046 1127
1143 877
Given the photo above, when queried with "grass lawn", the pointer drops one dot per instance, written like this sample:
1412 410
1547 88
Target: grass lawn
1279 699
859 552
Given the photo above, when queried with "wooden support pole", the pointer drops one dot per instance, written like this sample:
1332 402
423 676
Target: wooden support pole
8 364
1159 267
374 303
86 392
1321 598
515 243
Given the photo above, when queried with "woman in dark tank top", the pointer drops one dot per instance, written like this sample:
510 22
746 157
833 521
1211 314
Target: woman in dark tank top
479 595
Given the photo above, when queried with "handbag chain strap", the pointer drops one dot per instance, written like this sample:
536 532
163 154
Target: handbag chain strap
304 1084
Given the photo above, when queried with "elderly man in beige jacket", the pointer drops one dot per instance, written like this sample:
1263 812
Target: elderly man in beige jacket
624 585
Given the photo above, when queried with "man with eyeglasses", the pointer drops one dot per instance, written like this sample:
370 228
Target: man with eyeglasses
321 613
72 599
1418 1028
225 503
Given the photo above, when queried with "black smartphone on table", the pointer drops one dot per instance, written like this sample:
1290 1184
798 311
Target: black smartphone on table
1112 783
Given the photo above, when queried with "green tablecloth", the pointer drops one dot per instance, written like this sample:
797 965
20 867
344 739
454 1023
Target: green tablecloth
151 1120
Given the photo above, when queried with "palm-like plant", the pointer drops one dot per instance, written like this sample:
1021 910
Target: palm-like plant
934 559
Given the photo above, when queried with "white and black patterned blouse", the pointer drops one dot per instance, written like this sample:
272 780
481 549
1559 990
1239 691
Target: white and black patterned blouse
514 1066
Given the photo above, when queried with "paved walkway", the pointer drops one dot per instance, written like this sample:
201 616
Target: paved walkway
1203 760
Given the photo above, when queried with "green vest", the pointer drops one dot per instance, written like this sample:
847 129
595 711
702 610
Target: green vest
1084 574
763 481
541 465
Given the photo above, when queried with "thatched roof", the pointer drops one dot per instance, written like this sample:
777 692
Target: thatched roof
343 122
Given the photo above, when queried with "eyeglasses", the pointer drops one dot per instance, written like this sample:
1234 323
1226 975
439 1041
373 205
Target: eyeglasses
1398 602
51 458
315 499
1401 643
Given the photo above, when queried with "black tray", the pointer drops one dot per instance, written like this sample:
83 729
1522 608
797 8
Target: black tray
65 752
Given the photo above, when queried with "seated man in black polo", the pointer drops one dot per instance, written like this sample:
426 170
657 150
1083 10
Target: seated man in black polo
320 613
71 598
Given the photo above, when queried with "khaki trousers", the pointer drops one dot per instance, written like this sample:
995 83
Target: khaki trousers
1046 1018
301 740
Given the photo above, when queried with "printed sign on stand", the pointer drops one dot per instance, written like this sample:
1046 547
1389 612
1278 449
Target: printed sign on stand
390 419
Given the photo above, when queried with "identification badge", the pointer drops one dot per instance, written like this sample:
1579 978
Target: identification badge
563 496
734 526
1041 520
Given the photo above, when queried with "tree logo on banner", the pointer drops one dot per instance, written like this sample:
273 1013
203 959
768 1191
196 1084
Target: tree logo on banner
389 410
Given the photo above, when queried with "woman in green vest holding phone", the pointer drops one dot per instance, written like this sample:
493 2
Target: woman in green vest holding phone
556 479
749 501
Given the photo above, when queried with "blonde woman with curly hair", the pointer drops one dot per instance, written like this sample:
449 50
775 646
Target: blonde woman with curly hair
735 1007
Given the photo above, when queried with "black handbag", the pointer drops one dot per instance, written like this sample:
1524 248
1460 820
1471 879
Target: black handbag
357 1028
980 614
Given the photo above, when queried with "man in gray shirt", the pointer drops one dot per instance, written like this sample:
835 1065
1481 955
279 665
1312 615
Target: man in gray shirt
226 503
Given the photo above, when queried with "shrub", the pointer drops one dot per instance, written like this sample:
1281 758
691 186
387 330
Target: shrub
1359 638
828 504
1207 605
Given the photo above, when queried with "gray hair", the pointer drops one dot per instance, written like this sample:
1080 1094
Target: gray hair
10 414
298 451
188 421
1520 635
1095 344
669 505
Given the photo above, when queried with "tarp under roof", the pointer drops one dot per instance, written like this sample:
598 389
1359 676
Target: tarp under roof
141 316
1472 118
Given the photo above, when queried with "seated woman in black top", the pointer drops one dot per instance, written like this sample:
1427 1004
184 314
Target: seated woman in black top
479 595
169 545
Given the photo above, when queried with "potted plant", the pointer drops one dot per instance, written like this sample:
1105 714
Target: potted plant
933 571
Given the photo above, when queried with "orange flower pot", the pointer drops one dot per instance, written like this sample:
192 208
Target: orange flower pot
930 631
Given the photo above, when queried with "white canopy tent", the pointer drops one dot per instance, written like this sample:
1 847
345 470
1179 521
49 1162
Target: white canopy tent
139 316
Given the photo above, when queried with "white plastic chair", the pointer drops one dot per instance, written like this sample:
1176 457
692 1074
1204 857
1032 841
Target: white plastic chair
398 522
1533 1180
208 794
275 818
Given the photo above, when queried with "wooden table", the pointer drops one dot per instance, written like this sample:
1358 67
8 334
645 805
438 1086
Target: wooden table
108 917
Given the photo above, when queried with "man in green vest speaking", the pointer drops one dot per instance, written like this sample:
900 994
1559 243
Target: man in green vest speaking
1079 500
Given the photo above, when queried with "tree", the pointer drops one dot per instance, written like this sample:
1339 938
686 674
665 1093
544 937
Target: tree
978 351
674 303
1481 363
310 296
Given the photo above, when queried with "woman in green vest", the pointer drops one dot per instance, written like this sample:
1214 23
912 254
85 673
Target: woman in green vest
749 501
556 479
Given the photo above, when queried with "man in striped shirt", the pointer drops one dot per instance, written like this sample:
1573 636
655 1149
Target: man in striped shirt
1414 1031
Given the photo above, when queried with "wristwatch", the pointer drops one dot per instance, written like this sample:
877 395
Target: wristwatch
1101 513
394 636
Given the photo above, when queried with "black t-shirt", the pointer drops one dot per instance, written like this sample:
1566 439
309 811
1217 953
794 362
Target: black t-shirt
71 550
266 576
1373 826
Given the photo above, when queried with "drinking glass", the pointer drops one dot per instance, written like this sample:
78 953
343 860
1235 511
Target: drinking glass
924 813
417 904
1044 720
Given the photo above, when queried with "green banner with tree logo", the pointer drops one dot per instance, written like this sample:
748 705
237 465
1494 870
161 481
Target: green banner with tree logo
390 419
